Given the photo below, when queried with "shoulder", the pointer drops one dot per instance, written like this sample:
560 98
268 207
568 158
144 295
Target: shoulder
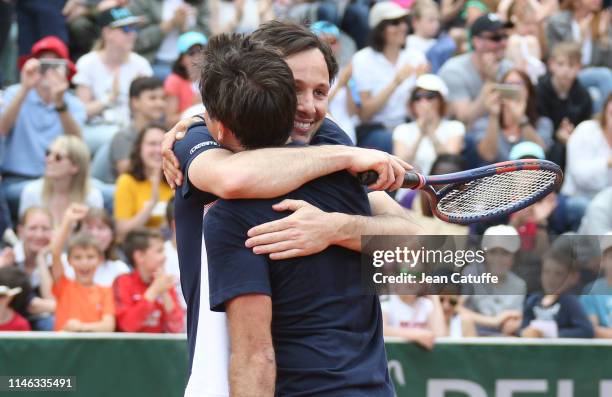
405 131
138 60
363 55
331 133
584 131
516 282
412 56
197 139
126 180
91 58
34 187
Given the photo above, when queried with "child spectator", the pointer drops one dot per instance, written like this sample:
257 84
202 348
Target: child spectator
415 318
555 312
105 74
181 86
597 298
82 305
37 110
457 324
496 308
172 263
426 23
10 319
147 105
146 300
66 180
100 226
142 194
562 98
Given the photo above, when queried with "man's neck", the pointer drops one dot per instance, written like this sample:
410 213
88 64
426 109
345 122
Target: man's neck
140 121
43 93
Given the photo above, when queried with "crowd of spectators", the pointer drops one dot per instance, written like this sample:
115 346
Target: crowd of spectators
91 87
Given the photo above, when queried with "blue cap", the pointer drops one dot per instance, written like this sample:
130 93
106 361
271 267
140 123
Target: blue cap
189 39
324 27
527 149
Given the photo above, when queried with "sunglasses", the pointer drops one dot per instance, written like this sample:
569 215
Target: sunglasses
429 95
55 155
496 37
129 28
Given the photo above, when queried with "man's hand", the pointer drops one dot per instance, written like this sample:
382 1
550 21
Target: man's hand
305 232
75 213
30 73
7 257
564 131
390 169
506 315
73 325
58 84
170 163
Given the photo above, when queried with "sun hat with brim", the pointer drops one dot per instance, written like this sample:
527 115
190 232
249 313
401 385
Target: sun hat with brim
431 82
189 39
385 11
501 236
527 149
117 17
55 45
6 291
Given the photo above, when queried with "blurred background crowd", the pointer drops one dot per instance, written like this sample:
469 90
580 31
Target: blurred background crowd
89 87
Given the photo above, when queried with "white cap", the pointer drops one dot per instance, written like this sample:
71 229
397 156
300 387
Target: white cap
606 241
4 290
385 10
501 236
431 82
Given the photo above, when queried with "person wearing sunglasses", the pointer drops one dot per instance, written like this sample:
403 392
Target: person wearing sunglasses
66 180
105 74
384 74
430 135
181 86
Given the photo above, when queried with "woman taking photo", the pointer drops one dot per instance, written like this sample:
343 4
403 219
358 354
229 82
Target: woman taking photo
142 194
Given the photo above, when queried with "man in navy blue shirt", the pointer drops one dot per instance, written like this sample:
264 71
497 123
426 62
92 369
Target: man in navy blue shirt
326 336
270 173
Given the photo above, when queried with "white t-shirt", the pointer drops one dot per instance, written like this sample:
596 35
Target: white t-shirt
401 314
31 196
339 111
210 365
93 74
408 134
172 267
168 50
106 273
372 72
250 15
418 43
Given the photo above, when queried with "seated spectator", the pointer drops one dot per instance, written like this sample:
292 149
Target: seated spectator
82 305
384 74
100 226
164 22
35 230
238 16
10 319
342 94
66 180
555 312
146 300
172 264
422 141
147 105
181 86
526 43
414 318
426 23
588 24
562 98
470 76
597 219
142 194
589 156
458 325
597 298
512 120
497 308
105 74
37 111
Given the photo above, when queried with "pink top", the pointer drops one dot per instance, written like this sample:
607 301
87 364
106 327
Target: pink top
182 89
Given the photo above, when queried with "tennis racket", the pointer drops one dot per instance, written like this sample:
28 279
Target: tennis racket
483 193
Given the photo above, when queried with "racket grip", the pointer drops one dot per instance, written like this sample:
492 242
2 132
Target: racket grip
411 180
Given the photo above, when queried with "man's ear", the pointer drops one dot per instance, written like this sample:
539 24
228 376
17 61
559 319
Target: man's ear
224 132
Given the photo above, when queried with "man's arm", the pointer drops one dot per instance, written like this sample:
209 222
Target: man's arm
252 364
30 76
309 230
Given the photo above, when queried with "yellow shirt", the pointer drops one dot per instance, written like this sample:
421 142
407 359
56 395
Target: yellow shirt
131 195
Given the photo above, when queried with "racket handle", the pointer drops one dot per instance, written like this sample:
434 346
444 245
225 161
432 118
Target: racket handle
411 179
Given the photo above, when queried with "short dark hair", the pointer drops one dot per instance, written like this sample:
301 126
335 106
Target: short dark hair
142 84
13 277
139 239
250 89
290 39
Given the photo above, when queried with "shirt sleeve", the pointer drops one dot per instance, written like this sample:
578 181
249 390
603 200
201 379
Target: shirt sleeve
233 269
59 286
120 147
196 141
457 90
125 200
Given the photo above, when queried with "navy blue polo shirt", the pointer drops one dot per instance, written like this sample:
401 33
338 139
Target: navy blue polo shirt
189 205
327 334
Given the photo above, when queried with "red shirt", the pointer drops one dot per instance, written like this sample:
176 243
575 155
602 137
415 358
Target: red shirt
16 323
134 313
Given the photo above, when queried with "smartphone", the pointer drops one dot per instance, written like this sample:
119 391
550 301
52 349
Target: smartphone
51 63
508 91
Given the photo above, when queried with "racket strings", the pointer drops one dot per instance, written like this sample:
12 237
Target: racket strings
498 193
